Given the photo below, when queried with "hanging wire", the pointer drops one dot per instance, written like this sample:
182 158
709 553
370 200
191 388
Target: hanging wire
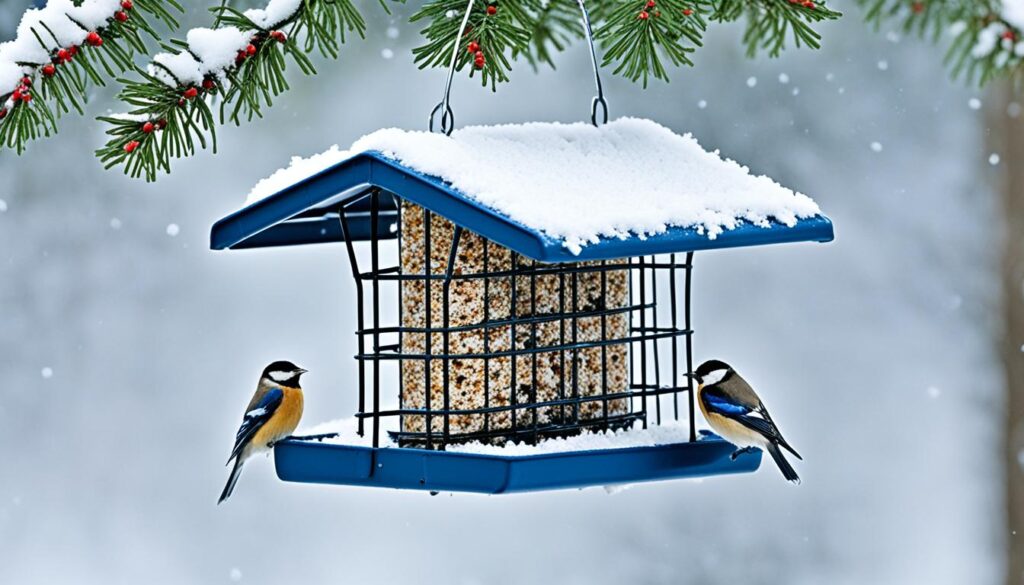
448 116
599 98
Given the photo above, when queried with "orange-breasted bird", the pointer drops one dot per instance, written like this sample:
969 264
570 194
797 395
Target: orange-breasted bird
272 414
734 411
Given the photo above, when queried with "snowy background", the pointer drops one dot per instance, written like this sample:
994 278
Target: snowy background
128 349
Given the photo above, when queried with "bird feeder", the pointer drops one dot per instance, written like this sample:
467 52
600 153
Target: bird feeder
520 288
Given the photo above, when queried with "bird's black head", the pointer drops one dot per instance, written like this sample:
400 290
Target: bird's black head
283 372
705 370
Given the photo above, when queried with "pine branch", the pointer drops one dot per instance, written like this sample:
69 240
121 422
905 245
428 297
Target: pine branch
640 38
492 38
985 44
61 52
241 63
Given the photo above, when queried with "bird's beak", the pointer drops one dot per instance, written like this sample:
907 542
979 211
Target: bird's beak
301 370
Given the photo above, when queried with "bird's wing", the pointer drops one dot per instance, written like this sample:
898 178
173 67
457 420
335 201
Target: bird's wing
752 416
255 418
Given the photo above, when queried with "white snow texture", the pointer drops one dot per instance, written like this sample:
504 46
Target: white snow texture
60 17
632 177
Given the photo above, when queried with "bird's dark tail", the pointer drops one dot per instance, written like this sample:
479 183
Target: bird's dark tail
787 470
232 480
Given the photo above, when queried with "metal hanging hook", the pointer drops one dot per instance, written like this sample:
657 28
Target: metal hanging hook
444 106
599 98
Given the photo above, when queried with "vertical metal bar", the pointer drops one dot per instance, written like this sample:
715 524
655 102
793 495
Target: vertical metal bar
401 315
487 336
654 318
689 345
643 340
354 264
675 327
429 323
533 344
561 343
604 338
375 284
445 302
575 350
513 318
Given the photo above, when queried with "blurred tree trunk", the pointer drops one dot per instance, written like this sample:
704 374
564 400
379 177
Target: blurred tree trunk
1007 138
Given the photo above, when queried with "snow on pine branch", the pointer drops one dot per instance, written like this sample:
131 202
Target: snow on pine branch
577 183
241 60
62 36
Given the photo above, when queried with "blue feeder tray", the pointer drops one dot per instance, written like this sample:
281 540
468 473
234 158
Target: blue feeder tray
307 213
445 471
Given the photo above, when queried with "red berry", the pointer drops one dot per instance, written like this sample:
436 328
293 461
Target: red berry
473 47
148 128
26 97
650 3
492 10
1009 35
479 63
120 16
64 55
917 7
250 50
3 113
131 146
93 39
643 15
73 50
687 11
26 81
478 55
127 4
161 123
278 36
209 84
49 70
16 95
181 102
657 14
808 4
240 58
190 93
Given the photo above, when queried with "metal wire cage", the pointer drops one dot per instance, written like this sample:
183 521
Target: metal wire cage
488 345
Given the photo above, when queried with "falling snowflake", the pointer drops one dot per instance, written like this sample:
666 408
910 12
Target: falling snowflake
876 146
993 159
751 81
974 103
934 392
3 206
392 32
1013 110
387 53
235 574
883 65
783 78
702 104
173 229
47 372
115 224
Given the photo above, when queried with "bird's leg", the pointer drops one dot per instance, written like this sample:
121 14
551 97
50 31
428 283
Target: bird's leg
739 452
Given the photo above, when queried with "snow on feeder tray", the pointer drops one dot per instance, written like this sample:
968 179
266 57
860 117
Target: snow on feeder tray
517 322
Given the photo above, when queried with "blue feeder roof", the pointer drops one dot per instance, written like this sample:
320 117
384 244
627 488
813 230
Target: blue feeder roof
307 213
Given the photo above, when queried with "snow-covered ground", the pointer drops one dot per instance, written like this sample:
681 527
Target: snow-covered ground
128 349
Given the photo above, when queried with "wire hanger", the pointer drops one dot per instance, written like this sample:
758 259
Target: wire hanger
445 107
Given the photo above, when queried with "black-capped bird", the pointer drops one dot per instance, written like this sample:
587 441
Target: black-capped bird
735 412
272 414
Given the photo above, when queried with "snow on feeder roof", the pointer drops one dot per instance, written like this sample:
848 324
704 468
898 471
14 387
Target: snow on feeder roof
552 192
